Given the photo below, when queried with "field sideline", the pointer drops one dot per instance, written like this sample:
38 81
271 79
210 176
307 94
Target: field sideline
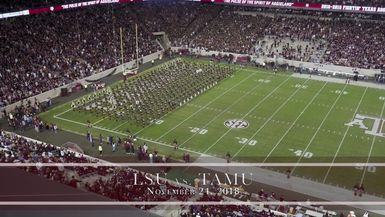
257 116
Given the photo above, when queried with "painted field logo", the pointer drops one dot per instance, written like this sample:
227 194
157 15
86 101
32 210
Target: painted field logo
236 123
377 127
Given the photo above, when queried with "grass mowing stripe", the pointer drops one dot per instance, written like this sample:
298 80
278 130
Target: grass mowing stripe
318 129
251 110
269 119
120 133
343 138
371 148
209 103
225 110
295 121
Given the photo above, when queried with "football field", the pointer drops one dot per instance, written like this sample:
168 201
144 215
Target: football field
257 116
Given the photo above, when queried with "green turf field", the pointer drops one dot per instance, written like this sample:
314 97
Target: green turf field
257 116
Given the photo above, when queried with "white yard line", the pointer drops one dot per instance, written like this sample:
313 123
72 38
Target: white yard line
293 124
98 121
343 138
209 103
371 148
121 125
269 119
251 110
123 134
225 110
62 113
319 128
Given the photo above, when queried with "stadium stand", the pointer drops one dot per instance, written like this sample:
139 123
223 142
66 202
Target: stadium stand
47 51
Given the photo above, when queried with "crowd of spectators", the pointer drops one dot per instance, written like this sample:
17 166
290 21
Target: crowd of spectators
16 149
230 32
231 210
46 51
351 42
25 115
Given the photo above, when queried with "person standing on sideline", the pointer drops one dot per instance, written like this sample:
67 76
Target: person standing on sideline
114 147
100 150
110 140
228 157
92 140
55 128
88 135
175 144
100 139
288 173
145 148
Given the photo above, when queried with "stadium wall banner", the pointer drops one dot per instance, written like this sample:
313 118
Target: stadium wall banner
299 5
64 7
255 3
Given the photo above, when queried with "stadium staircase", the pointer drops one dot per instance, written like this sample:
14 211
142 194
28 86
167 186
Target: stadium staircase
314 55
317 56
162 39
